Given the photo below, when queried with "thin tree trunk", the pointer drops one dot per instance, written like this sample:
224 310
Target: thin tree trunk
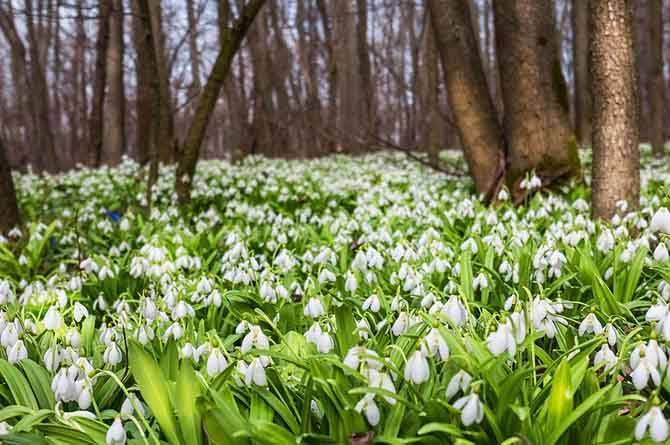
580 54
332 68
144 93
367 88
9 210
114 142
616 157
469 98
536 121
96 125
656 87
207 101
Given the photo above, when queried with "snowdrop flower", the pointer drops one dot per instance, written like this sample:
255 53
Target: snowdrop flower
52 319
182 310
644 369
660 314
455 311
116 434
268 294
605 241
660 222
471 408
361 356
79 312
17 352
314 308
351 284
129 404
112 355
324 343
52 358
459 382
417 369
372 303
480 282
382 380
654 423
9 336
434 345
502 340
216 363
661 253
368 407
605 356
590 324
255 372
255 339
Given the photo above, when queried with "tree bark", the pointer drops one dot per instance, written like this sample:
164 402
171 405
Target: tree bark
616 157
536 121
656 87
114 122
96 125
580 54
9 210
144 72
207 101
468 94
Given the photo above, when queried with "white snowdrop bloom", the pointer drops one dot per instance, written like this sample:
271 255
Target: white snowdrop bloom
145 334
216 363
455 311
471 408
660 314
149 309
605 356
268 293
664 289
17 352
100 303
434 345
73 338
52 358
643 371
255 338
372 303
85 397
326 276
182 310
186 351
9 336
610 333
377 379
502 340
314 308
459 382
605 241
52 319
15 233
242 327
654 423
64 384
116 434
324 343
112 355
7 295
129 404
660 222
369 408
471 245
255 372
401 324
363 357
79 312
480 282
661 253
503 195
590 324
417 369
351 284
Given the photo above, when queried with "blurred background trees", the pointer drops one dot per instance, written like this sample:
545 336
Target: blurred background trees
509 81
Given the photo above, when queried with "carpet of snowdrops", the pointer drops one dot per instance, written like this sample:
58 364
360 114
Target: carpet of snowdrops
340 300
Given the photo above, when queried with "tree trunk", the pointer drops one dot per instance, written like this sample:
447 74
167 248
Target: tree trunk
580 54
96 125
9 211
144 71
114 142
656 87
207 101
167 143
369 117
616 157
468 94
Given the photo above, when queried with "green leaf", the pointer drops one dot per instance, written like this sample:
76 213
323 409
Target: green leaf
188 390
18 385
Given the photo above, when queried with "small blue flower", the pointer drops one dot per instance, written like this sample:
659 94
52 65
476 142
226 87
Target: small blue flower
113 215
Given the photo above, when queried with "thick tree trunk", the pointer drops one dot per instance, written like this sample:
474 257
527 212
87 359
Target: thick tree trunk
207 101
114 142
369 117
536 122
9 211
433 128
332 69
469 98
656 87
96 126
580 54
616 157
